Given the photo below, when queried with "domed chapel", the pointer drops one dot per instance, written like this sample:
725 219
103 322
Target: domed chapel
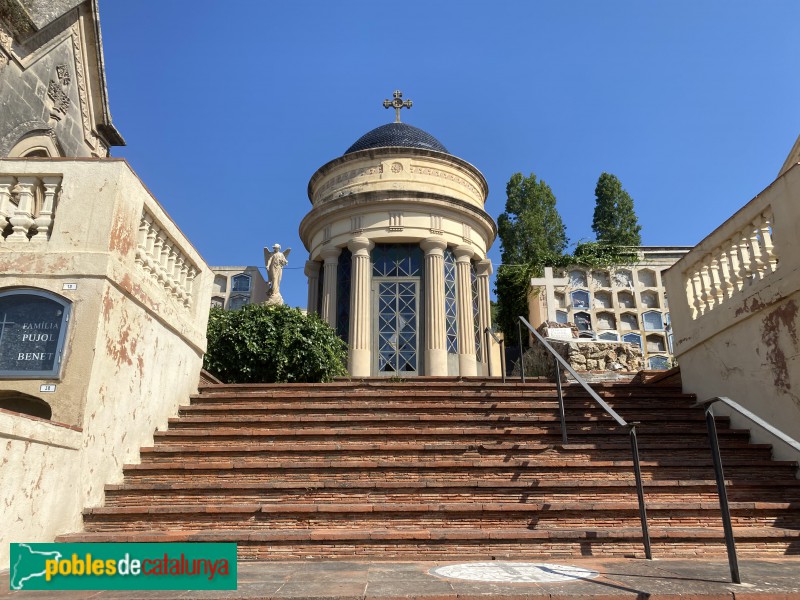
397 237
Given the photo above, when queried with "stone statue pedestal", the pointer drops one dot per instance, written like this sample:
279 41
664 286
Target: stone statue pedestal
274 300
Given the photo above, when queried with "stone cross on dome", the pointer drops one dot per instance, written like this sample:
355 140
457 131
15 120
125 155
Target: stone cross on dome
397 104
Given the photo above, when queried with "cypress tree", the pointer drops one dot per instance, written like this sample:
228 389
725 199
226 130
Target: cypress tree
614 222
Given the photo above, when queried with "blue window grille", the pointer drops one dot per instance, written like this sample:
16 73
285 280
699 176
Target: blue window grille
450 312
396 260
476 311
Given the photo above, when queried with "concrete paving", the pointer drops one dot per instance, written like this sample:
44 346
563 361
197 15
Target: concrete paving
349 580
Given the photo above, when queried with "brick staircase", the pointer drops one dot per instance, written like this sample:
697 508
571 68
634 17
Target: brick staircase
438 468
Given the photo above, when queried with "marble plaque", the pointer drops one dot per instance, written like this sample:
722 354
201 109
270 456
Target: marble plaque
31 334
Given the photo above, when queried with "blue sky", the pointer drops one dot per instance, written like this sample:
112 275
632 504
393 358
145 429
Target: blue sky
228 108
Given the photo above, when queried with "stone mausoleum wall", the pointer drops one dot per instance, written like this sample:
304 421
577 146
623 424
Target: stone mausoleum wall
88 232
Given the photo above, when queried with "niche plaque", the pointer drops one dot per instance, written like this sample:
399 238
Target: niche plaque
32 332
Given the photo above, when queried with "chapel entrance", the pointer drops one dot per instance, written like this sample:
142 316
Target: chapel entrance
396 306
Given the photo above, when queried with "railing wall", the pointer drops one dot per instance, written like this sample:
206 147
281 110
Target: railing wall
735 307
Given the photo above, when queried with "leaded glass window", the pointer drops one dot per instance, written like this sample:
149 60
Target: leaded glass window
343 272
476 311
397 326
450 312
396 260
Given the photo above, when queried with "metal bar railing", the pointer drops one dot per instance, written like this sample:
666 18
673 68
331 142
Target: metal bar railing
716 457
501 342
637 471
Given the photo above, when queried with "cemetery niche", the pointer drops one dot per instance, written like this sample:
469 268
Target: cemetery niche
32 332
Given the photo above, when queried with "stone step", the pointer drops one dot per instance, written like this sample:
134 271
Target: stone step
445 544
483 417
384 430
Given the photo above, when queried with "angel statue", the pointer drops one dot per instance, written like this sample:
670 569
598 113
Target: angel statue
275 261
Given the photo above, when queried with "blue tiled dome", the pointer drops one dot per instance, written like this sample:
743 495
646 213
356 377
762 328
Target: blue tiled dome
397 134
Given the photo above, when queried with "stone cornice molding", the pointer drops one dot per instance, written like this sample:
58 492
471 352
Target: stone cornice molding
387 153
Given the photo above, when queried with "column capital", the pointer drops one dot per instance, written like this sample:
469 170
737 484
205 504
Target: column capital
463 253
433 245
360 246
312 268
483 268
330 254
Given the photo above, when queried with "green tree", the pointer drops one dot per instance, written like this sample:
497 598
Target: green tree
532 236
268 344
614 222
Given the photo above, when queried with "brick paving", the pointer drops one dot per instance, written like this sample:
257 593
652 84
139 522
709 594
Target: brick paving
777 579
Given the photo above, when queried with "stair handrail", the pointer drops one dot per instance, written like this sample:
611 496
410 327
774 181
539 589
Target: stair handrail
727 526
559 360
488 331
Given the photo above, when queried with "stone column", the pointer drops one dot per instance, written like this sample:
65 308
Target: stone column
435 333
360 337
483 269
329 272
312 272
466 326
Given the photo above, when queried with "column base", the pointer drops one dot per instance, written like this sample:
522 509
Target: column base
467 365
360 362
436 362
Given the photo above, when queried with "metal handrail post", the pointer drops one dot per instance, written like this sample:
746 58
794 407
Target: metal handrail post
503 358
730 543
561 415
637 472
521 352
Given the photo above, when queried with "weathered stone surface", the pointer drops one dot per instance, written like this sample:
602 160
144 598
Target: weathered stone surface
582 355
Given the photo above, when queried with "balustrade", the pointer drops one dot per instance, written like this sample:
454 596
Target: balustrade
745 257
27 207
158 255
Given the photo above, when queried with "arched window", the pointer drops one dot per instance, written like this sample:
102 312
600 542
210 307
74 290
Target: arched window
33 327
25 404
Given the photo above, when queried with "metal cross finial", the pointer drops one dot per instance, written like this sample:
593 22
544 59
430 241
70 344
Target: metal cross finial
397 104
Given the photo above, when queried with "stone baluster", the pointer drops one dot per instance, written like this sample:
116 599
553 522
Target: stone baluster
187 290
330 268
716 280
435 332
698 308
734 272
759 262
22 219
141 243
691 296
150 249
180 262
172 257
706 295
483 269
360 334
6 210
312 272
467 365
725 272
743 246
44 222
767 247
191 273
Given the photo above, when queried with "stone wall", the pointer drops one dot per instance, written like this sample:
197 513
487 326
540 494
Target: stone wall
139 295
735 305
583 356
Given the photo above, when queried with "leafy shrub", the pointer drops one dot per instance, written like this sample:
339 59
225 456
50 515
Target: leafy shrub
268 344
